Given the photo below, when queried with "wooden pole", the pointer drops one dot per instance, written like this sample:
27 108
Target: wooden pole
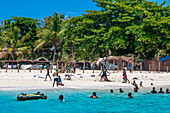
40 69
123 65
12 66
84 66
7 67
61 65
141 67
57 65
149 68
167 69
93 67
18 68
159 68
113 66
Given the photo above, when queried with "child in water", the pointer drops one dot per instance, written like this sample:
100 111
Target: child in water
94 95
61 98
130 95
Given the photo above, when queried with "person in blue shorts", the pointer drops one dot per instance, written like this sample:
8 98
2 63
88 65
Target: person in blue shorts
130 67
59 81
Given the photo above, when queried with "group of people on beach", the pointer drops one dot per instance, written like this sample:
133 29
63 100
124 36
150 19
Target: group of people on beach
57 78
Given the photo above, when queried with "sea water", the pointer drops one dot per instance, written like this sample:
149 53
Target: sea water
79 101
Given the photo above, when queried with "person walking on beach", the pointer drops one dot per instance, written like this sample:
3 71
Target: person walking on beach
125 76
130 66
104 76
55 75
48 73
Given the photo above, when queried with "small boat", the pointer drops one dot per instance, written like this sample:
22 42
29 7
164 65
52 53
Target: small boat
35 96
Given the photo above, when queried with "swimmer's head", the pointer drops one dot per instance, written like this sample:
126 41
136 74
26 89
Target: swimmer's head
94 93
111 91
129 94
61 97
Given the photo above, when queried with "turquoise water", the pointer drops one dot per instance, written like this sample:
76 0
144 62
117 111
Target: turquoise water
78 101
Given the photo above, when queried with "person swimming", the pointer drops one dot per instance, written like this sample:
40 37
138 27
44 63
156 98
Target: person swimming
130 95
61 98
94 95
153 91
111 91
161 91
121 91
167 91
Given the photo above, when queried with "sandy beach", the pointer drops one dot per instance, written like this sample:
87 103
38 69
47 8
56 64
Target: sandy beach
35 80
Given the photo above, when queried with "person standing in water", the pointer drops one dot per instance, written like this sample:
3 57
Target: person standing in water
161 91
48 73
104 75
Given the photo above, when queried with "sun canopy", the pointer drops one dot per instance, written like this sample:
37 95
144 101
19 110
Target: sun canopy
165 58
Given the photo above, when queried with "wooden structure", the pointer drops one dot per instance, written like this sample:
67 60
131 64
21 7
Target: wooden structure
121 61
156 65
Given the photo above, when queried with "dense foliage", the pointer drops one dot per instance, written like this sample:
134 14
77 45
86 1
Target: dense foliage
120 27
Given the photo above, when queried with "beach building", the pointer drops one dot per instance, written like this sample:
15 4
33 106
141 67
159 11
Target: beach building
157 64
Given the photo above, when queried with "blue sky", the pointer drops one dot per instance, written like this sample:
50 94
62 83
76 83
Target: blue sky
43 8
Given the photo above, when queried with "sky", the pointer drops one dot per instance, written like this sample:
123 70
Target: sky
38 9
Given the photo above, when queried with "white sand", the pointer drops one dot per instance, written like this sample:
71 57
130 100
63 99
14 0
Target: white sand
26 80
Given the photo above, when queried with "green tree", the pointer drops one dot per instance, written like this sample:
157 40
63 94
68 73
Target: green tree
50 35
14 42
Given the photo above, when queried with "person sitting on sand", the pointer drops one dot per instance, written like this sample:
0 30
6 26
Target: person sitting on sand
153 91
167 91
111 91
67 77
61 98
134 83
94 95
121 91
125 76
141 84
104 76
48 73
59 81
55 75
130 95
161 91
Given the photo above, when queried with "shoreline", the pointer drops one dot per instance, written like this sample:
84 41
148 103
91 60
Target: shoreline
25 80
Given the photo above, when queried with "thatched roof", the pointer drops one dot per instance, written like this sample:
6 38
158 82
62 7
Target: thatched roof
113 58
41 59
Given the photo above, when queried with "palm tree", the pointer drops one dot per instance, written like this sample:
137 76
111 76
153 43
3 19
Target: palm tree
51 33
14 42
